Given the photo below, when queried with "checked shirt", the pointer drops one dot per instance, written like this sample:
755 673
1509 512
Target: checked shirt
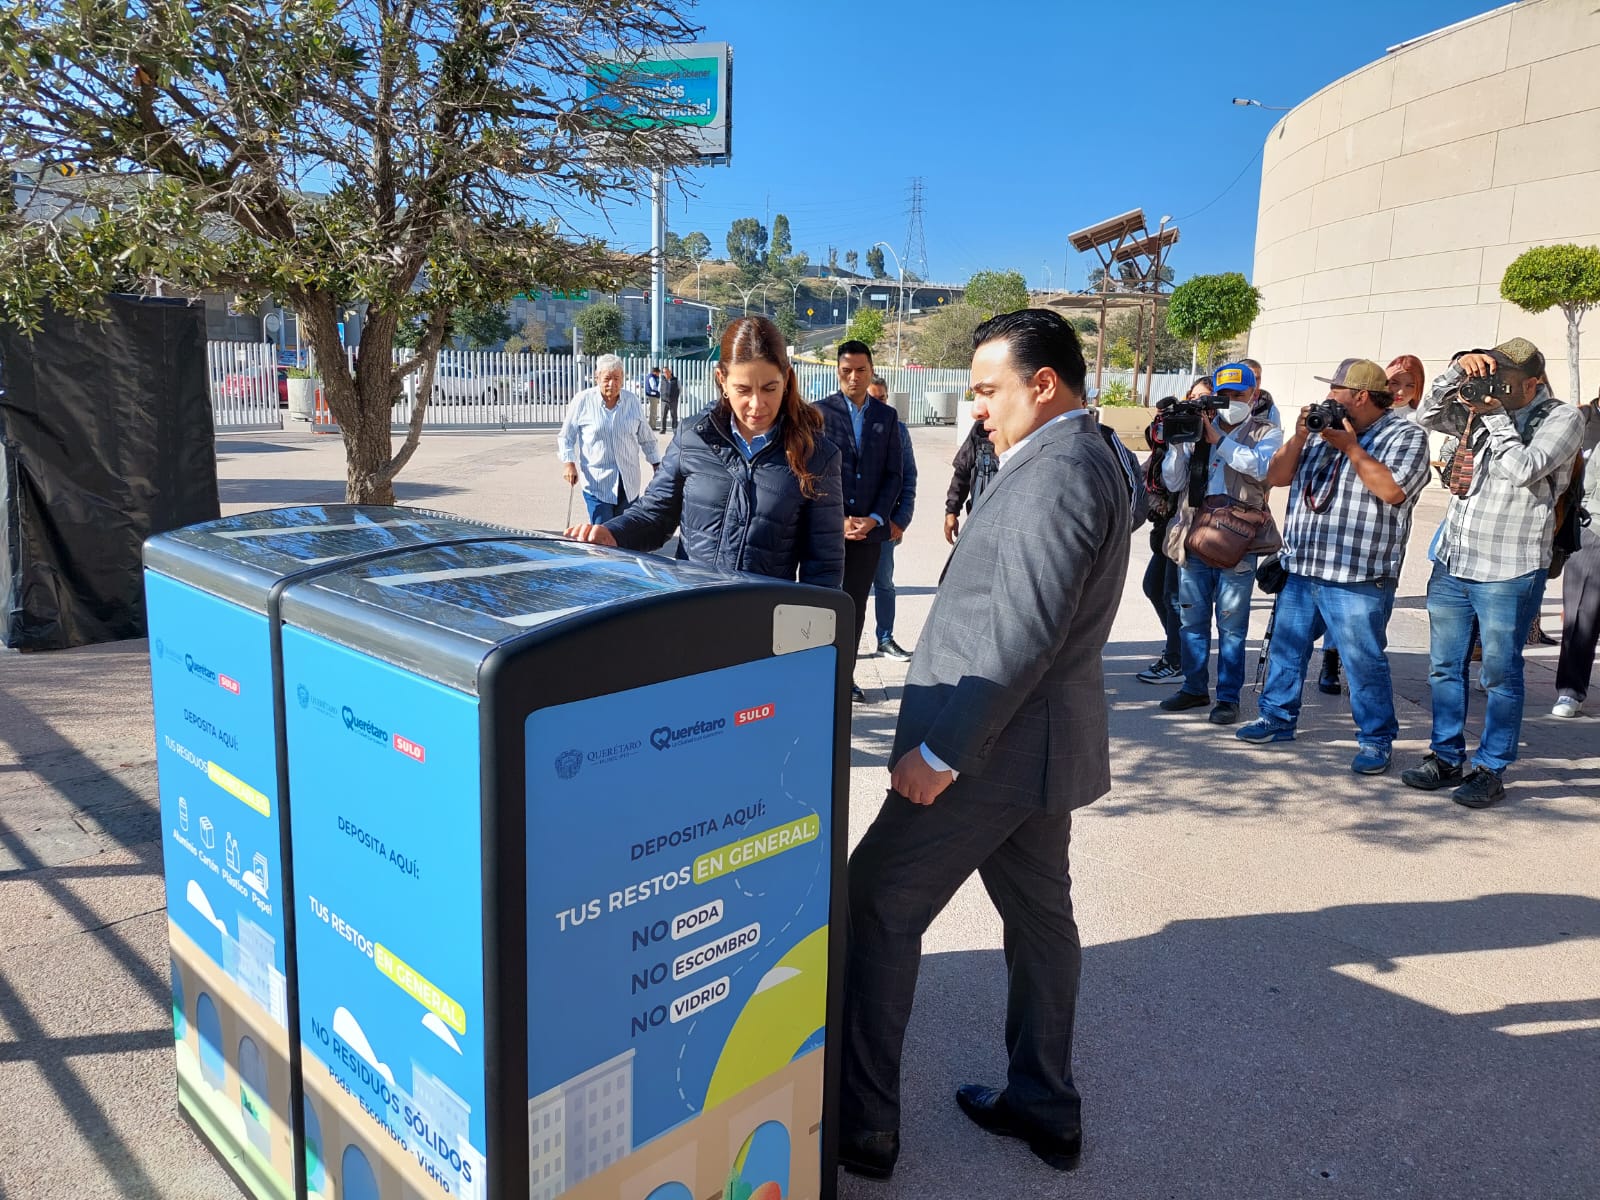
1503 527
1338 531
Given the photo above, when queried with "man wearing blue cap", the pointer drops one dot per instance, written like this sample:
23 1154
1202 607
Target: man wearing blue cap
1231 459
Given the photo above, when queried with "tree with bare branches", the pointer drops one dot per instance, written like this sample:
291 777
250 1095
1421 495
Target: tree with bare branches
415 155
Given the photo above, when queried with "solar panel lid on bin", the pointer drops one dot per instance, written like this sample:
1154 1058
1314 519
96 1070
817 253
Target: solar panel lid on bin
241 557
441 610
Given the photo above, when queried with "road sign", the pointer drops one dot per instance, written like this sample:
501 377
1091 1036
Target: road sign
836 314
811 312
941 299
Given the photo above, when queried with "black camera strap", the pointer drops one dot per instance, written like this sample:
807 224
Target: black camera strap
1199 474
1326 476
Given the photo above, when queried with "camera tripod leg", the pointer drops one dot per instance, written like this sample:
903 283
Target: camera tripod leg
1266 643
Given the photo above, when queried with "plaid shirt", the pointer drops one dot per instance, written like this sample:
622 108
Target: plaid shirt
1503 527
1356 537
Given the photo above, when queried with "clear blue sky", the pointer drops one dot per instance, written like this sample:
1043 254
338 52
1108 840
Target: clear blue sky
1027 119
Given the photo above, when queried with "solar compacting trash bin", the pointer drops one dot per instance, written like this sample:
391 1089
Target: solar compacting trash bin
568 828
212 593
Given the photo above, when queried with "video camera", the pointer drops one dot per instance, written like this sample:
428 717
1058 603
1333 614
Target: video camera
1326 414
1184 421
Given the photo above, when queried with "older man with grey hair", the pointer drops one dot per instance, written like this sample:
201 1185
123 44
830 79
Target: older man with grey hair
604 426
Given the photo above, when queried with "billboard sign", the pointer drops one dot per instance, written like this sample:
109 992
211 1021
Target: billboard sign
691 87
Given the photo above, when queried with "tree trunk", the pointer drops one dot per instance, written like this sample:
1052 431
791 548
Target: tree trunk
1576 395
366 455
361 411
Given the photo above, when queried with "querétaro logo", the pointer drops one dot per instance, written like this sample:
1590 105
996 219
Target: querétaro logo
666 736
303 694
195 667
569 763
363 726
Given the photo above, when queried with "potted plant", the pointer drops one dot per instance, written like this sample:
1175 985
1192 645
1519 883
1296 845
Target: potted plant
303 388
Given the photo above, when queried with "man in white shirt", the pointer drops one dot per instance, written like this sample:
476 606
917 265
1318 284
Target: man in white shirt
603 427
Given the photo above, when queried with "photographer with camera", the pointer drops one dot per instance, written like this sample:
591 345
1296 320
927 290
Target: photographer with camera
1515 453
1355 469
1161 573
1217 457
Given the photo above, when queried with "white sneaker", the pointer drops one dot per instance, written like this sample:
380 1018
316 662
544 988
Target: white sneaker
1567 705
1477 683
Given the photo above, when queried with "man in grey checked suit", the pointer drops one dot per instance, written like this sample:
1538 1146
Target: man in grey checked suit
1002 733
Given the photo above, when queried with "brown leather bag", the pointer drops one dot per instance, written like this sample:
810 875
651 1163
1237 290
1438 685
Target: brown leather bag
1225 530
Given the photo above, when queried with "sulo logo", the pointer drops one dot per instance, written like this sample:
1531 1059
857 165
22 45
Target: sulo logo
568 763
750 716
303 694
409 748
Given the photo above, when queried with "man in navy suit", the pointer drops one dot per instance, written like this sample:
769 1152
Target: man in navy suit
867 434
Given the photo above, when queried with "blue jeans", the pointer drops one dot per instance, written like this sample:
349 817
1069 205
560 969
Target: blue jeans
1202 589
883 592
1356 615
601 511
1504 611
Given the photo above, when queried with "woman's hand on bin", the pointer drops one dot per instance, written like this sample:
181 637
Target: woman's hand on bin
599 535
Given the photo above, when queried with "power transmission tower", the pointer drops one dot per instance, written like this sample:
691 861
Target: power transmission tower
915 254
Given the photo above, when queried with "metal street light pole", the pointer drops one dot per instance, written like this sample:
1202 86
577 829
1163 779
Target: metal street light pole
900 315
1046 267
1155 313
836 285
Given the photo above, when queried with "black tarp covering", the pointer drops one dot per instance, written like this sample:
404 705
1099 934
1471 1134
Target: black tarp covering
106 437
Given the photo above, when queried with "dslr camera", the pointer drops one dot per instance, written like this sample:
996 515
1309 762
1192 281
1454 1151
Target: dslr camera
1326 414
1480 389
1184 421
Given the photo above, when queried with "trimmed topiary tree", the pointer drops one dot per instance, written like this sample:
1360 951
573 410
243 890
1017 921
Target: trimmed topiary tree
1565 277
1210 309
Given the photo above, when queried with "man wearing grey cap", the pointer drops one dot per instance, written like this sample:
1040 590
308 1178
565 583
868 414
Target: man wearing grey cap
1356 470
1514 456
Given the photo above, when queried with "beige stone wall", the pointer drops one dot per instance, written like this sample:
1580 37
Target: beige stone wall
1393 199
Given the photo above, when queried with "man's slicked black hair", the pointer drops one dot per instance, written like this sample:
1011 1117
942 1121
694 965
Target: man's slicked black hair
1038 338
855 347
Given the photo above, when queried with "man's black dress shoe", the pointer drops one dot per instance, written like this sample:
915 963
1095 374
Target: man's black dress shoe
870 1155
988 1110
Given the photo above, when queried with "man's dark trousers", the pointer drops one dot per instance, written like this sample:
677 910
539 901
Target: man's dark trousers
915 858
860 568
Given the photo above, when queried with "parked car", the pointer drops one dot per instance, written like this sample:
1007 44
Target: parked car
244 385
551 385
454 384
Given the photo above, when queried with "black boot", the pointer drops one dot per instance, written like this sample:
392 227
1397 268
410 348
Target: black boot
1328 684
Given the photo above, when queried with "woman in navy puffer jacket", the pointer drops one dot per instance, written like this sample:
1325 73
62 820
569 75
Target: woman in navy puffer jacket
753 485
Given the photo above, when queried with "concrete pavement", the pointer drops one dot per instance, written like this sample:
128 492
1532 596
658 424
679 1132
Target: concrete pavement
1296 982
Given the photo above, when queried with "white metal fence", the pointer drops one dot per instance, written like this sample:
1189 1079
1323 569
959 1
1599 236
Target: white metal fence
481 390
244 385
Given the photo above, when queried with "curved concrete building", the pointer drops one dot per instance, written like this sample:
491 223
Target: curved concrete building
1393 200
